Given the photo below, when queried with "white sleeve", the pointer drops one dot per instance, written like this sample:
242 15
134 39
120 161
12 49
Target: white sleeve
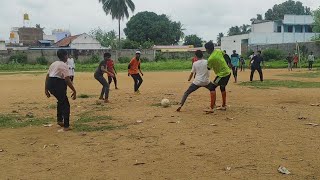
193 70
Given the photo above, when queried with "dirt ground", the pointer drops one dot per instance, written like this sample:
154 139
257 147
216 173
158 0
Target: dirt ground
259 131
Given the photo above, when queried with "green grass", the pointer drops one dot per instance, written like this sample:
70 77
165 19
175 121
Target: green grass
83 96
281 83
303 75
17 121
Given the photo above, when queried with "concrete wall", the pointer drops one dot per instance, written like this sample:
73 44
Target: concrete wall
290 47
82 55
298 19
267 27
276 38
230 43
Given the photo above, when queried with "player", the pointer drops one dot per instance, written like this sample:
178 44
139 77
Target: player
72 66
217 62
295 60
227 58
311 60
133 71
289 60
242 64
235 58
200 68
57 80
256 65
110 68
98 75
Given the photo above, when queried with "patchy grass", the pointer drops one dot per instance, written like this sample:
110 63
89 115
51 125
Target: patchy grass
83 96
17 121
315 74
52 106
87 123
281 83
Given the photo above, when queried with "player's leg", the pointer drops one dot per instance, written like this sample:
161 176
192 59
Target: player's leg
191 89
101 80
109 80
260 73
52 87
212 88
106 89
140 80
252 73
135 79
115 81
223 84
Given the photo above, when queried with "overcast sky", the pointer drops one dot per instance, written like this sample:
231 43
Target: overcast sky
206 18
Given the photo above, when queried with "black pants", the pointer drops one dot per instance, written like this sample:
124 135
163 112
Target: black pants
253 69
235 71
193 88
310 65
137 81
105 86
58 88
114 79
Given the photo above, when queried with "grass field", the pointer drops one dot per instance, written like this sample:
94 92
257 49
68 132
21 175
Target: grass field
169 65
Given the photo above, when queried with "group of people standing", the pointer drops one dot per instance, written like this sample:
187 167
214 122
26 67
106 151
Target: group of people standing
294 60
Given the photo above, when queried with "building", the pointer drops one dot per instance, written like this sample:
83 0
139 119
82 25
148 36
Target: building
80 42
292 29
2 46
177 48
30 36
14 36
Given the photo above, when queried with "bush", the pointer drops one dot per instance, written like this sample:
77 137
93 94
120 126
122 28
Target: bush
273 54
19 58
92 60
160 57
42 60
145 59
124 60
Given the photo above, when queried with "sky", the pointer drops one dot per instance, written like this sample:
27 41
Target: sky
205 18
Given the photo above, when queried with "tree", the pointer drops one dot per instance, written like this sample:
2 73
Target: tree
245 29
107 39
159 29
219 37
128 44
193 40
289 7
234 30
118 9
259 17
316 24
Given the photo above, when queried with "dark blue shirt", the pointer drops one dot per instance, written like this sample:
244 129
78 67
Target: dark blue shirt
257 61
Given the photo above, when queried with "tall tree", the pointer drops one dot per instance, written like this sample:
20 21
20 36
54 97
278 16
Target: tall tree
316 16
289 7
259 17
234 30
159 29
193 40
118 9
107 39
245 29
219 37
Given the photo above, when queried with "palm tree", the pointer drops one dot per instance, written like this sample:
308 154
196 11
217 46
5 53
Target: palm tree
219 37
118 9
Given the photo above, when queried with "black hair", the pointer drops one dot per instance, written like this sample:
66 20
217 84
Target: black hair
107 55
225 51
209 45
62 53
199 54
259 51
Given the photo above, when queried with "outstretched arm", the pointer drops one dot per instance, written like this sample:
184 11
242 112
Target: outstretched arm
69 83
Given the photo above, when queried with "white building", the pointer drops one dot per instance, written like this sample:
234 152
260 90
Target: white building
80 42
292 29
2 45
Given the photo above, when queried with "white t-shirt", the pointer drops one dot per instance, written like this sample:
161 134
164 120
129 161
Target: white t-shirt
311 58
200 67
71 64
59 69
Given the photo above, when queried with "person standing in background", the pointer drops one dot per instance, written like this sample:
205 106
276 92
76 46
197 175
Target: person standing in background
295 60
72 66
290 60
311 59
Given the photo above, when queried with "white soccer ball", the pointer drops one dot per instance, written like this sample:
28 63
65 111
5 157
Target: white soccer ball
165 103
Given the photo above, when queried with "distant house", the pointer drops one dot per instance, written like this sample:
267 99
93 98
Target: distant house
2 45
292 29
30 36
80 42
177 48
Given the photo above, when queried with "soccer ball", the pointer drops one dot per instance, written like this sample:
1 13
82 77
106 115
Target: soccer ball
165 103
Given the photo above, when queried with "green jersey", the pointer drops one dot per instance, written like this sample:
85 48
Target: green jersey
217 63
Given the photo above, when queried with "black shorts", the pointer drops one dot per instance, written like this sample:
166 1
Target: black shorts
221 81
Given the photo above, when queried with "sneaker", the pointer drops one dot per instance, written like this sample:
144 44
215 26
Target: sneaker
222 108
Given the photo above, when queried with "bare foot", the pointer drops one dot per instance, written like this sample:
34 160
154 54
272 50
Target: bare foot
101 98
64 129
61 124
106 101
117 88
179 109
222 108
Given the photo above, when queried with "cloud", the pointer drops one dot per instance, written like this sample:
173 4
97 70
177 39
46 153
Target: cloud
206 18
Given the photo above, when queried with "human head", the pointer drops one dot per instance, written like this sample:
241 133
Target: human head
311 53
199 54
209 47
62 55
107 56
234 51
138 54
259 52
225 51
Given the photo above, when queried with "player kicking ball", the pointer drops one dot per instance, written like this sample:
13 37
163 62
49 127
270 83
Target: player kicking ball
202 74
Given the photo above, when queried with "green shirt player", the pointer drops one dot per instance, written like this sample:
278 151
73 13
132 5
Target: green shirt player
217 63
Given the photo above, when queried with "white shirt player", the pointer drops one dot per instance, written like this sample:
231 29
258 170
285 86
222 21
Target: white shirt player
71 65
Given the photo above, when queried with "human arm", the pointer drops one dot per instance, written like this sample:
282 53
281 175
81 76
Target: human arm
46 91
190 77
140 70
69 83
104 69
